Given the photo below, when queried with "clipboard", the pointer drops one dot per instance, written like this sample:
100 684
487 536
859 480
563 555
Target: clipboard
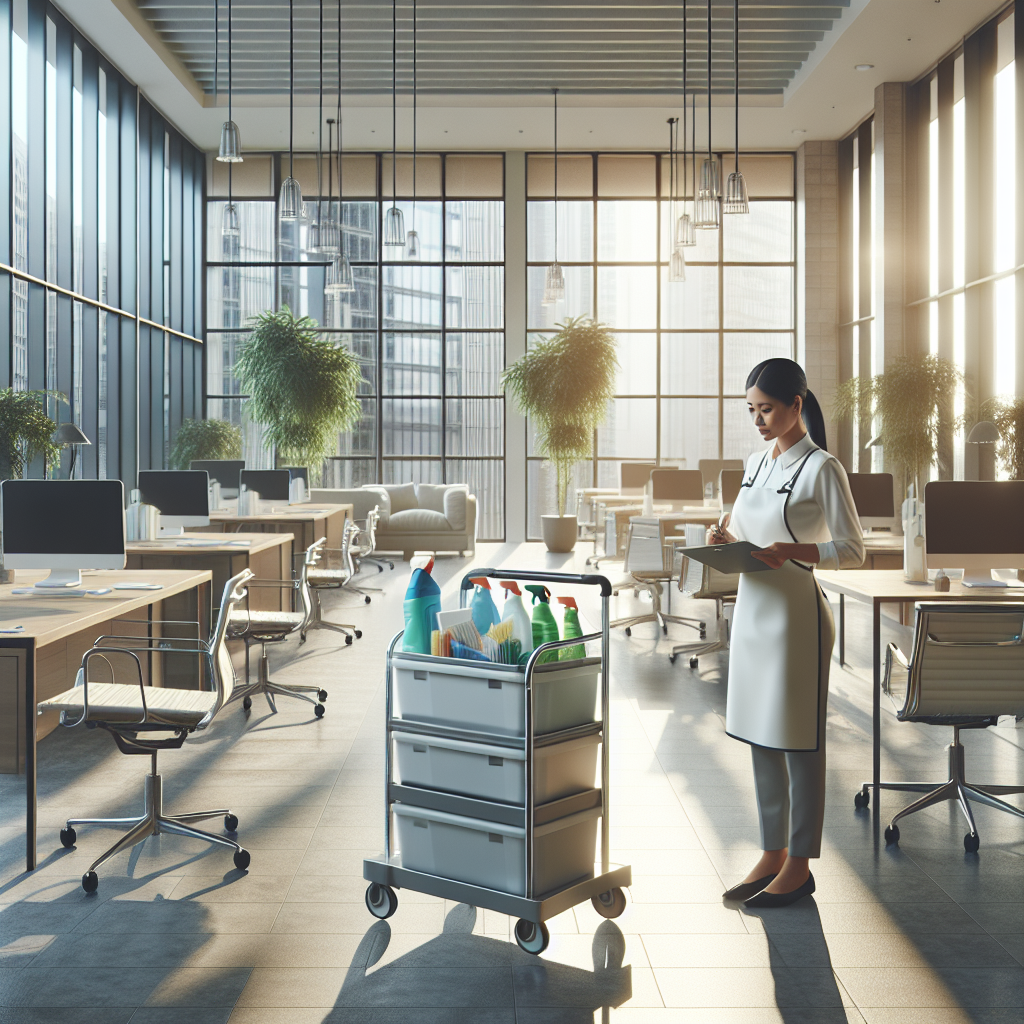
728 558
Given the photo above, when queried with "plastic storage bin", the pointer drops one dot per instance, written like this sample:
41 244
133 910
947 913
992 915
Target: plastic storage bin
487 697
492 854
496 773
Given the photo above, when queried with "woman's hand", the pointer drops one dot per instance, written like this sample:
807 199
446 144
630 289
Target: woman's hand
776 555
719 534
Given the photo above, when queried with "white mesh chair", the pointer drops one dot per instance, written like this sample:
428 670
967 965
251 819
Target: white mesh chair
147 719
322 577
702 583
967 669
364 542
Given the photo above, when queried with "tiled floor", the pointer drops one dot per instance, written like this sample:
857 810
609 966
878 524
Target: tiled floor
917 935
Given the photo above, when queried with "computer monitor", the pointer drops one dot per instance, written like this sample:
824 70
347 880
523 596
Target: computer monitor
873 496
298 484
633 477
222 471
181 495
64 526
270 484
976 524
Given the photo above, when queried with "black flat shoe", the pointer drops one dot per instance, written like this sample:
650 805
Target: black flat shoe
745 890
770 900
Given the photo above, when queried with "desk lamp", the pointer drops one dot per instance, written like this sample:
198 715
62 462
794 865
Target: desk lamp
69 435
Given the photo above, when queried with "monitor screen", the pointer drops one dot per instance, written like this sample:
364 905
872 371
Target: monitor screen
271 484
224 471
975 517
176 492
872 494
63 517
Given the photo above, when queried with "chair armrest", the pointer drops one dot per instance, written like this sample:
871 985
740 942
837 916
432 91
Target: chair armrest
281 584
82 679
1015 642
893 652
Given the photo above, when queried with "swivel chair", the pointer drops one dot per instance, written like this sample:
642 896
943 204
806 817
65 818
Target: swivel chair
321 577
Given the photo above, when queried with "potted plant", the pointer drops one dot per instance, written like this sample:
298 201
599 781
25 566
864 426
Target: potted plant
301 387
1008 416
204 440
564 384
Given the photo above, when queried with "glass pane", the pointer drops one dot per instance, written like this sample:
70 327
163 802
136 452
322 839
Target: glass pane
759 297
739 436
473 363
627 296
425 218
638 363
221 355
475 232
418 471
475 296
475 426
411 426
349 472
233 294
765 235
689 364
255 450
627 232
706 249
540 492
689 430
692 303
361 439
575 231
255 239
744 351
486 480
412 364
360 230
578 301
629 430
412 296
364 346
354 310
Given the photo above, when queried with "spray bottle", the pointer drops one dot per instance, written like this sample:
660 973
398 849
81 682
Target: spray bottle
545 629
422 603
571 628
513 611
485 612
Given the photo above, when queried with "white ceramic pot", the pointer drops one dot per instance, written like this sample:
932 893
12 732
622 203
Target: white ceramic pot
559 533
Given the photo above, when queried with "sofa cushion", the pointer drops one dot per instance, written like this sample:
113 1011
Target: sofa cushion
403 497
431 496
418 520
455 507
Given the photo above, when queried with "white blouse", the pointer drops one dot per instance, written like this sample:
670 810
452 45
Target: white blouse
820 510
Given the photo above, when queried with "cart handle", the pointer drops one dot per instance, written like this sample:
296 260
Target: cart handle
586 579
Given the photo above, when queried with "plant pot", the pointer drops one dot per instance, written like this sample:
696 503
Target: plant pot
559 533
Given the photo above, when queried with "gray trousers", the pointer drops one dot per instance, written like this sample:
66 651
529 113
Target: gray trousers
790 785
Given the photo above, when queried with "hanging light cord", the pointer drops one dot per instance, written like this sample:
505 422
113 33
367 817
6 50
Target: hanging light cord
684 101
394 101
291 86
736 62
341 209
414 115
555 91
216 48
710 181
231 86
320 126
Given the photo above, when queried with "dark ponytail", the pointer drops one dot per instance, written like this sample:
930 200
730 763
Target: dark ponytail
785 380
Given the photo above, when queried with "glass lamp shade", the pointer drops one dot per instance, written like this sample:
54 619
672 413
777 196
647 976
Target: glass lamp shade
394 228
313 235
735 198
705 211
290 205
685 233
676 267
710 183
230 144
412 246
554 285
339 276
229 233
327 241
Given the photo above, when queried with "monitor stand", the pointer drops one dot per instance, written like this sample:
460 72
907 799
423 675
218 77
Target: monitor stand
982 578
62 578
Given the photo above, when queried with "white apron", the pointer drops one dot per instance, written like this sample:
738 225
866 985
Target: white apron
775 648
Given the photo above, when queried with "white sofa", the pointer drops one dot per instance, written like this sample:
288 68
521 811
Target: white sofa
413 517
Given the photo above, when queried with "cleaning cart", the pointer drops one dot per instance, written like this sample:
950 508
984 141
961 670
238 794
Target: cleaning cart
493 802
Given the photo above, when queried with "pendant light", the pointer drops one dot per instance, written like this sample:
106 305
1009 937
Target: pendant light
230 235
735 200
230 141
339 280
394 222
412 240
313 231
685 235
676 262
706 205
289 207
554 278
329 234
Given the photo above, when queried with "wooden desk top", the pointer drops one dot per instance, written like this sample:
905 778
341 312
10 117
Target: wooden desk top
291 513
255 543
877 586
883 544
47 619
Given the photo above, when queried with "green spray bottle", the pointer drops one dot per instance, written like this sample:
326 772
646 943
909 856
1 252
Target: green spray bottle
545 629
571 628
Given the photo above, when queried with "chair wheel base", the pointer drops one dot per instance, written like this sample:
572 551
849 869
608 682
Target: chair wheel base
68 836
861 799
241 859
246 703
971 842
892 835
230 823
90 881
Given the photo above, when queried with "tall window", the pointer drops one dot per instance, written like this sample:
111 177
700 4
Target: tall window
684 348
429 333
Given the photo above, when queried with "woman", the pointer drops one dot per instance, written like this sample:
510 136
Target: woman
795 503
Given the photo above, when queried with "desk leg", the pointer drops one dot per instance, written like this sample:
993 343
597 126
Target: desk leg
842 630
876 707
30 761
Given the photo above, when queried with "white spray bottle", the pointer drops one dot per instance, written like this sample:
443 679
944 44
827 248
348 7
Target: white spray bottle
515 612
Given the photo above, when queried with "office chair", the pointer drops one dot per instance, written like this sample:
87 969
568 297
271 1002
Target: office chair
711 472
967 669
137 715
364 542
702 583
269 627
677 488
633 477
321 577
338 565
729 482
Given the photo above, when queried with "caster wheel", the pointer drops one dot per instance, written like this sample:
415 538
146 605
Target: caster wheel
321 695
391 565
892 835
861 799
381 900
367 599
703 626
609 904
241 859
319 710
89 881
693 663
359 634
532 938
628 631
972 842
664 630
672 659
67 837
703 634
247 703
230 823
380 568
348 640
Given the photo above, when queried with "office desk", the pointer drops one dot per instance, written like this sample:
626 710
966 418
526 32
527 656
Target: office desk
43 659
886 586
883 551
305 524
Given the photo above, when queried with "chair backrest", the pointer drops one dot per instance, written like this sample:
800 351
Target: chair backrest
729 486
633 476
221 667
645 546
968 660
677 486
711 470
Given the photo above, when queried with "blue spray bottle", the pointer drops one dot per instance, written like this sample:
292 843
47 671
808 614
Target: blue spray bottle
485 612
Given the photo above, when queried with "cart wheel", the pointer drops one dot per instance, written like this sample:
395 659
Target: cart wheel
861 798
892 835
972 842
532 937
67 837
609 904
628 631
246 703
693 663
381 900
